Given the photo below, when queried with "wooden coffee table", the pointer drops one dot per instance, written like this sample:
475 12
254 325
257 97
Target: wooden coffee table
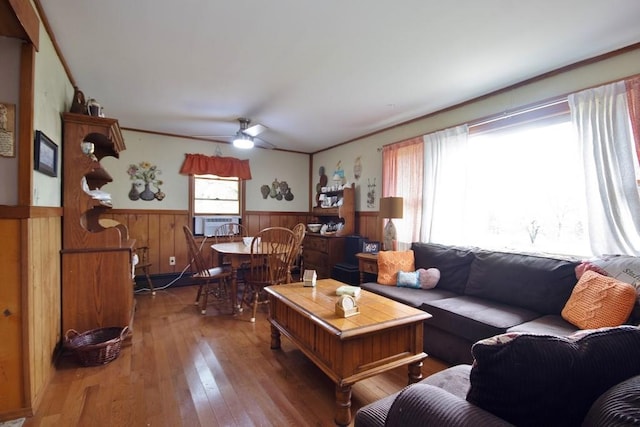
385 335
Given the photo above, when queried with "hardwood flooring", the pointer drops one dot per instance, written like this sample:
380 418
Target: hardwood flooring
184 369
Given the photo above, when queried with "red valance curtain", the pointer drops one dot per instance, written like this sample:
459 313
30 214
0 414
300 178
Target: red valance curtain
633 98
199 164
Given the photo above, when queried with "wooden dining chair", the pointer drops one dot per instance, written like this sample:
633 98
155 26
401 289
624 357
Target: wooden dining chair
229 232
143 265
214 281
272 251
299 230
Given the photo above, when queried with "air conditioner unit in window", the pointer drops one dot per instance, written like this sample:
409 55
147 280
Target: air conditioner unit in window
205 225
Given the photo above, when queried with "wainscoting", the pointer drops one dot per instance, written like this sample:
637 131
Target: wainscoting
161 231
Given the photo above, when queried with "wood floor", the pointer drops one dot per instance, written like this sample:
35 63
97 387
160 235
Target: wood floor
184 369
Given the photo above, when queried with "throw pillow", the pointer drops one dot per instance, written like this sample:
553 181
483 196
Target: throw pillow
547 380
408 279
390 262
428 277
625 268
598 301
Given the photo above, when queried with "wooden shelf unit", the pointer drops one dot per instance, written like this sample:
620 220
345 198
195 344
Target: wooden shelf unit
97 288
322 251
346 211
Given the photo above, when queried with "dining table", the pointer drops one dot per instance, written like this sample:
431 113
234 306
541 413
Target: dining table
238 254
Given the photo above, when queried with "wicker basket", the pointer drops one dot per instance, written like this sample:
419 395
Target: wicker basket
97 346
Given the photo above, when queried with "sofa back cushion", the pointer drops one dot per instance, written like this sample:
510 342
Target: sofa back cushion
536 380
537 283
453 263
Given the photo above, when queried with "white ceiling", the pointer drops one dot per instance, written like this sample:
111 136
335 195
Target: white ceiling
318 73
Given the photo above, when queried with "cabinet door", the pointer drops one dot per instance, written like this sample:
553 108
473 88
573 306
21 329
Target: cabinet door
97 290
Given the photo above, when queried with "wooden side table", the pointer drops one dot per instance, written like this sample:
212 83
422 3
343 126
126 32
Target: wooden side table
367 263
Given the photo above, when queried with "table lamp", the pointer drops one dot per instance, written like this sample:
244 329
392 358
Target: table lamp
390 207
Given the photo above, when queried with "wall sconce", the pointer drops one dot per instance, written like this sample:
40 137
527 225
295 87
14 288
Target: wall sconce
390 207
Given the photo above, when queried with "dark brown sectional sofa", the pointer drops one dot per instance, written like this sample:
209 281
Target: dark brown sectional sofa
483 293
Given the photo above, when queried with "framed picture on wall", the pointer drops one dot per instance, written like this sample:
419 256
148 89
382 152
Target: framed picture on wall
46 155
371 247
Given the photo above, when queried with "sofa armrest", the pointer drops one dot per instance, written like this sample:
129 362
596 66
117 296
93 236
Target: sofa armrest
424 404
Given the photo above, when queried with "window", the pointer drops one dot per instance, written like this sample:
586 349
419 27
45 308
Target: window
213 195
525 188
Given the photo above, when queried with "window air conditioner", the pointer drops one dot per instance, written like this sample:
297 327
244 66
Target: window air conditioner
205 225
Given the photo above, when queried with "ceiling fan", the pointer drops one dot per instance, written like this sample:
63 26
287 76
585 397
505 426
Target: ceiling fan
247 136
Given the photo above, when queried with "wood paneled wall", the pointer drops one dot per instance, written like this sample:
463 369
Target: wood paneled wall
30 303
161 231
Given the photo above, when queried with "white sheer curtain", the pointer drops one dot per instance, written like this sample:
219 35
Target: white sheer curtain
446 158
601 118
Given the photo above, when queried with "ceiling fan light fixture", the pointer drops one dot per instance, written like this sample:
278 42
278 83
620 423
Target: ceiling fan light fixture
243 141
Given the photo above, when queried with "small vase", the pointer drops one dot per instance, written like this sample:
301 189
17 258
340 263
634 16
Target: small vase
134 194
147 194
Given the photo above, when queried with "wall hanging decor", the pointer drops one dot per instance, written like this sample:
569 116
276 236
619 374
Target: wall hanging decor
278 190
7 134
46 155
357 168
371 193
145 175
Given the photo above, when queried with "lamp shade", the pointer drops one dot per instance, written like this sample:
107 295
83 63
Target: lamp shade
391 207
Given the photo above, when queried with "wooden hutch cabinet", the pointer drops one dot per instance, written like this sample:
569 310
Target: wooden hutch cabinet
322 251
97 288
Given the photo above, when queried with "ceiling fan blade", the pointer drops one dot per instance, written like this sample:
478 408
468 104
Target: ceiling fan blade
264 144
255 130
213 136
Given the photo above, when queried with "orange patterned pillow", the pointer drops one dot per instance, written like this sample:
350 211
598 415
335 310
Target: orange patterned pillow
390 262
598 301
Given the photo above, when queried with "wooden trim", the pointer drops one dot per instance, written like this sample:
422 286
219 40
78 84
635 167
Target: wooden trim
19 20
56 47
195 138
24 212
148 211
26 278
25 125
535 79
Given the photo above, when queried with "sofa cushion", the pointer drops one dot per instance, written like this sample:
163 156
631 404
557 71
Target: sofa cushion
474 318
422 405
598 301
534 380
412 297
550 324
620 405
537 283
390 262
453 263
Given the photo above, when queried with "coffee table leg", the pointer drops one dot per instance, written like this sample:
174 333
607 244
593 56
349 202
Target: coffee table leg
343 405
415 372
275 338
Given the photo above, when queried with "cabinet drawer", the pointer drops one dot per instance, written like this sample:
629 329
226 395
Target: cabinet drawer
315 244
369 267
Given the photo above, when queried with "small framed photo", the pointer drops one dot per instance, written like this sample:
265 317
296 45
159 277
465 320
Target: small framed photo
46 155
371 247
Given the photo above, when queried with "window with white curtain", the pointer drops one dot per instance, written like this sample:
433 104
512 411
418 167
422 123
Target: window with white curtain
514 183
525 188
560 178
